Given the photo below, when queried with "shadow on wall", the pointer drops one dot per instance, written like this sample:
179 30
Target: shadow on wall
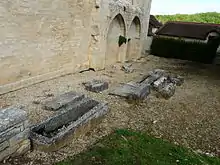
117 28
119 47
134 43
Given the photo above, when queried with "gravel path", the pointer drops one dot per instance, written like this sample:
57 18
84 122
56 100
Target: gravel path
190 117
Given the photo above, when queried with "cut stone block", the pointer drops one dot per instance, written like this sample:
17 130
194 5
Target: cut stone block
10 117
160 83
124 90
158 79
62 101
96 86
56 131
132 90
141 92
152 76
127 68
178 80
168 91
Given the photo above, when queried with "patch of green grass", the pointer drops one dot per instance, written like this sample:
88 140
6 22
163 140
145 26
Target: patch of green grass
125 147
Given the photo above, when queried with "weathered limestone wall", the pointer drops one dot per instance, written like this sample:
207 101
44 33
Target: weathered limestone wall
119 17
14 133
43 39
133 46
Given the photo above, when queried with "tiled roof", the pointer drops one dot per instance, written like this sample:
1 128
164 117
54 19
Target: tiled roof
188 29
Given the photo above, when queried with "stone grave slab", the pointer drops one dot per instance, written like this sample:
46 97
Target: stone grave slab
132 90
96 86
62 101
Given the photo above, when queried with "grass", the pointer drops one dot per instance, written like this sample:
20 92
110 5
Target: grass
125 147
210 17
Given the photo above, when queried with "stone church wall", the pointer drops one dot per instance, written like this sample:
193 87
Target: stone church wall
44 39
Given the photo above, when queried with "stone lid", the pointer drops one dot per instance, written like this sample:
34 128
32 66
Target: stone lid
10 117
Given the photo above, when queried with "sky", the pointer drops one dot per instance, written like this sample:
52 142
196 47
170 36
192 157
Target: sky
184 6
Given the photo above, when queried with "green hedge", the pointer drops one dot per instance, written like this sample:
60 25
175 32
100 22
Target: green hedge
180 49
210 17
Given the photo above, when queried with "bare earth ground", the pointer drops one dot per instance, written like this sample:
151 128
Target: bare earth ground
190 118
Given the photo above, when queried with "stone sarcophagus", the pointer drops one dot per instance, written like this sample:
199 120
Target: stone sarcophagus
72 120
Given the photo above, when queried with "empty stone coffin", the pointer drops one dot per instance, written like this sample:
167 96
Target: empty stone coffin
71 121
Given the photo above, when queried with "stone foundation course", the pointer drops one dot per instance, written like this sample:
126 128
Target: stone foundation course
14 133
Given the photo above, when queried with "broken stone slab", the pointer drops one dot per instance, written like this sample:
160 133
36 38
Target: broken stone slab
59 130
160 83
132 91
62 101
168 91
152 76
148 79
141 92
124 90
96 86
127 68
178 80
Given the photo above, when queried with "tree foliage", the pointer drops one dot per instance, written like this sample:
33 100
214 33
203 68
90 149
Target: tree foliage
210 17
